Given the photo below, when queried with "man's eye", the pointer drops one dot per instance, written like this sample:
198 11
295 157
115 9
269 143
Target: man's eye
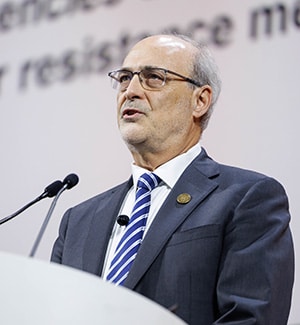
153 75
124 78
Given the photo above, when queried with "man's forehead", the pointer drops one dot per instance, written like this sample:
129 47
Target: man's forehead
163 42
157 51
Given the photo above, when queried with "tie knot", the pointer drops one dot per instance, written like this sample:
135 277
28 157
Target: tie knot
148 181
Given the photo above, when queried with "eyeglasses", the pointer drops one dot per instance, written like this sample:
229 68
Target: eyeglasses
150 78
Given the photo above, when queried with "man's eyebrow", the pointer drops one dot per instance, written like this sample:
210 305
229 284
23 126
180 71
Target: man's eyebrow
141 68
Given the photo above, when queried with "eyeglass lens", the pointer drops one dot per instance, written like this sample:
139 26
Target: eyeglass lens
150 78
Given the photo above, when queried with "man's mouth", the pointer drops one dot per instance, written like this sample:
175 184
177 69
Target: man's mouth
130 112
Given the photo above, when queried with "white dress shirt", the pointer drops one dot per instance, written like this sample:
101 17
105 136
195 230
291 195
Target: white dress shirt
169 173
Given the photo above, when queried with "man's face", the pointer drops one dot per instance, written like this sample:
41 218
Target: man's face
155 120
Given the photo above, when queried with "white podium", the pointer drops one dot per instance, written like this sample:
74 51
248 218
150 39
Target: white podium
37 292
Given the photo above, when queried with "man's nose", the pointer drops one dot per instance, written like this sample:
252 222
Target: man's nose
134 88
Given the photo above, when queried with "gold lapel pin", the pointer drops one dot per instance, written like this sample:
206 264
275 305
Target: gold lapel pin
183 198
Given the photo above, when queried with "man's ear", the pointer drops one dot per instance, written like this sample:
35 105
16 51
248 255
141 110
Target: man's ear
202 98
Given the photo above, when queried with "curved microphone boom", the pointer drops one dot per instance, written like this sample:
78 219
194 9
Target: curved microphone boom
50 191
69 182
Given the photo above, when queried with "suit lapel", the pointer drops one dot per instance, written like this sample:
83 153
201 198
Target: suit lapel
101 227
196 181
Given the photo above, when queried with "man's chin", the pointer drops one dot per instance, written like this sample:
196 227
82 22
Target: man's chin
132 137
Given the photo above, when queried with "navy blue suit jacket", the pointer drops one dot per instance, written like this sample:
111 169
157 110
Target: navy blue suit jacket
225 257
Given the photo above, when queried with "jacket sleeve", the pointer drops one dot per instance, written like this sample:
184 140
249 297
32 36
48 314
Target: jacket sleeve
257 269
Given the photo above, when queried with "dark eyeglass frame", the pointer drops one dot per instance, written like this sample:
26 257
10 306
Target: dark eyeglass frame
116 83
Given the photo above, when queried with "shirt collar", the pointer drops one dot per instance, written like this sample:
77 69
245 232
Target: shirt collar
170 171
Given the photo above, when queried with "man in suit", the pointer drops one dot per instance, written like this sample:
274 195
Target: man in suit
217 243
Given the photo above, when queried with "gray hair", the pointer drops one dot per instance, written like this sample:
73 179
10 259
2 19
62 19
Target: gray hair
206 72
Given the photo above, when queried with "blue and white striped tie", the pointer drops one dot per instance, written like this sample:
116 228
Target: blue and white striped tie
131 240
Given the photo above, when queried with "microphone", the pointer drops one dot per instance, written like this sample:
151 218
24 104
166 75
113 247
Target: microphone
123 220
50 191
69 182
